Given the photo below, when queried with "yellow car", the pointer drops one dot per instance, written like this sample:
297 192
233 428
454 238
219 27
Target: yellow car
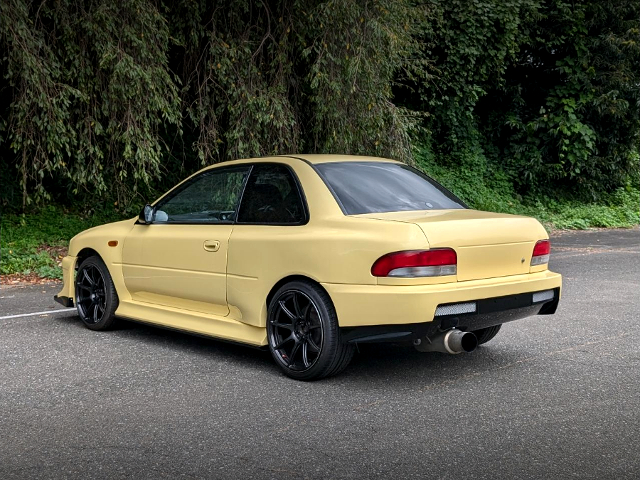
310 255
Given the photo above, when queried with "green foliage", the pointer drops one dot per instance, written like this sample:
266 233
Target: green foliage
90 91
107 102
238 77
470 46
547 88
282 77
18 261
483 188
568 114
617 210
117 96
26 239
356 49
472 178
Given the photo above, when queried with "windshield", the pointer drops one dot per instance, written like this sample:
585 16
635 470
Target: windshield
373 187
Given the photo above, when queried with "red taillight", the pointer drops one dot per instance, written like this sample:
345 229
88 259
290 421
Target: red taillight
541 252
416 263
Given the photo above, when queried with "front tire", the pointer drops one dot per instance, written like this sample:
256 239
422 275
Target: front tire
96 297
303 333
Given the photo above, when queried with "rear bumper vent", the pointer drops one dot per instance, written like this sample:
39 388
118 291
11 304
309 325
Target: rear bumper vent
456 309
543 296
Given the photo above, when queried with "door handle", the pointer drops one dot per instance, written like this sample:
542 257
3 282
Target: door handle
211 245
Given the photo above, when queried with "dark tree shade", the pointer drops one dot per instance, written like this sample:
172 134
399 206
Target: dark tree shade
116 99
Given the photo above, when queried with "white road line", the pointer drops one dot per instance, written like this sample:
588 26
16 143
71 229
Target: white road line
57 310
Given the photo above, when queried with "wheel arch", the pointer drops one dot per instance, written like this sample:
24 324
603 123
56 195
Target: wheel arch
293 278
114 271
86 253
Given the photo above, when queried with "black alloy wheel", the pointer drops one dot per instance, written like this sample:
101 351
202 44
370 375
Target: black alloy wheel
296 330
96 297
303 333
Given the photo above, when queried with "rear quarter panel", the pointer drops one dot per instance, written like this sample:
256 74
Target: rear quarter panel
340 252
330 248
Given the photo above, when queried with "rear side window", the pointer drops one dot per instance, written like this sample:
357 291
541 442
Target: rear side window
375 187
272 196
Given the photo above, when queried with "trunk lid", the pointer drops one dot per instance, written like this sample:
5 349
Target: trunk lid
488 244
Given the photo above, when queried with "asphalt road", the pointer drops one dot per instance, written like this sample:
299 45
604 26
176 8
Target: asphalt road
550 397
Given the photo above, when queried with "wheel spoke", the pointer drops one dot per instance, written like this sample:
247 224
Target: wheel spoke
288 326
87 277
95 275
312 344
83 298
307 311
95 313
286 310
305 354
296 306
284 342
294 350
84 287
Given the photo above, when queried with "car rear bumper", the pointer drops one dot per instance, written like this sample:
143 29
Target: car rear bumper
386 305
489 312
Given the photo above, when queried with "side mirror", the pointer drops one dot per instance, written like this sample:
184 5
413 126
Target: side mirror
146 215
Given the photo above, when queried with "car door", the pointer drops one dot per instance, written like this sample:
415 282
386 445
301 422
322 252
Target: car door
180 258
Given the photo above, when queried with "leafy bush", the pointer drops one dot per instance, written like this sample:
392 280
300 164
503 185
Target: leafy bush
26 240
483 187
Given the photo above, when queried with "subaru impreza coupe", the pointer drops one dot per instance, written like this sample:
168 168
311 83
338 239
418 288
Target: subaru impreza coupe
309 255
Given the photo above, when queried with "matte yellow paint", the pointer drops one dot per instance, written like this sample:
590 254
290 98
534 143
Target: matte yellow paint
193 279
214 279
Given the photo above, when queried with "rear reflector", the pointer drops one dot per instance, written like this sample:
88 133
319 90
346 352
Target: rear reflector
543 296
541 253
416 263
456 309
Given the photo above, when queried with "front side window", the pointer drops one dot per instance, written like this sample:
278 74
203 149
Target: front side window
212 197
376 187
272 196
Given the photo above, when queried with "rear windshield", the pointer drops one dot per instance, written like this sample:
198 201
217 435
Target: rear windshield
371 187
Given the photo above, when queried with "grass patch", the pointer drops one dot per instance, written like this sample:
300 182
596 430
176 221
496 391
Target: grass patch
33 243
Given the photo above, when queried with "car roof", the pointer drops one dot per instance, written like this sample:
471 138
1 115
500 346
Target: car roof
330 158
309 158
313 159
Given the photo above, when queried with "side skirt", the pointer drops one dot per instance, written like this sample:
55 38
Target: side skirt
193 322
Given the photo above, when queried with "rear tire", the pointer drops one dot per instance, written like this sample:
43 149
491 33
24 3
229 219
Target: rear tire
303 333
485 334
95 295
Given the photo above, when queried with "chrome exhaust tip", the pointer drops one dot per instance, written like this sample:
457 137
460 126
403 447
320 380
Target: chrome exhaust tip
452 341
